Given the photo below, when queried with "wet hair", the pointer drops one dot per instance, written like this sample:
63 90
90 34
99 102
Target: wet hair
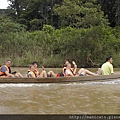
35 63
108 58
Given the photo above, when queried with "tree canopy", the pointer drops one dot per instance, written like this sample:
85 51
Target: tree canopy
80 13
61 13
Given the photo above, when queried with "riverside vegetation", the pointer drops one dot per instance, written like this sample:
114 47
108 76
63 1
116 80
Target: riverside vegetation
51 31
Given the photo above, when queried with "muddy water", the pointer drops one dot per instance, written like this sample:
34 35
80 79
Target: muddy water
76 98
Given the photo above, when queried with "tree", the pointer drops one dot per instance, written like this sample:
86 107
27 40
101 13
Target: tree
118 13
61 13
27 11
7 25
80 13
112 9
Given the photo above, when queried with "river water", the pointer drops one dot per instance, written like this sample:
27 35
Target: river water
71 98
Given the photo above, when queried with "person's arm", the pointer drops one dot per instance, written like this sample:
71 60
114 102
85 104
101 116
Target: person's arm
63 71
75 67
111 69
43 68
8 74
37 73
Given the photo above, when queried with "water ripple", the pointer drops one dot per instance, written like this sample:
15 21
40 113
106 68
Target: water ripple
60 84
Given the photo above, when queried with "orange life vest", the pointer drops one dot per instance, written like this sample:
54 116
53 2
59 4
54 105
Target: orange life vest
3 73
31 73
37 72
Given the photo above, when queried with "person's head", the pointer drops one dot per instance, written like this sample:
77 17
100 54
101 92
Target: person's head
8 63
109 59
31 67
68 65
35 64
65 63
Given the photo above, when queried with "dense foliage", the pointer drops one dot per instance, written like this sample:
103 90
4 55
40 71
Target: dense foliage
51 31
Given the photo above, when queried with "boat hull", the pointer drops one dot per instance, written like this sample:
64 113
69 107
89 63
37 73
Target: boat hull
60 79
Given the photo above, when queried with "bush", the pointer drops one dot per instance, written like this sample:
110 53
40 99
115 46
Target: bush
50 47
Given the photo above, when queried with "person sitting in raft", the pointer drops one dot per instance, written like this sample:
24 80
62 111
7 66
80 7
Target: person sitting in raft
107 67
34 69
61 74
43 73
72 69
81 72
31 72
5 71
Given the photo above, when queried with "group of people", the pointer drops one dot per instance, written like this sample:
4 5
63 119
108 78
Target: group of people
106 69
67 70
